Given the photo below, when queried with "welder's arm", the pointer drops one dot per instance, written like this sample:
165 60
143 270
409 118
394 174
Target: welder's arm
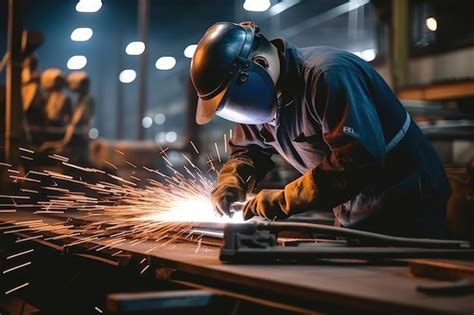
249 162
352 130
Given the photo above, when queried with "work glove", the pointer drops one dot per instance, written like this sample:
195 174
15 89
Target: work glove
234 181
298 196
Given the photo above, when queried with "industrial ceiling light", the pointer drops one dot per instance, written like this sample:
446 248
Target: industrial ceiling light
76 62
93 133
368 55
147 122
256 5
171 136
160 137
127 76
160 119
189 51
432 24
165 63
88 6
135 48
81 34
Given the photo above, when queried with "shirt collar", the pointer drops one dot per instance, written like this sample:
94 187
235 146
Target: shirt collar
290 79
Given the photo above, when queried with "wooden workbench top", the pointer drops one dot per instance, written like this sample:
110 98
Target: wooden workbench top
388 289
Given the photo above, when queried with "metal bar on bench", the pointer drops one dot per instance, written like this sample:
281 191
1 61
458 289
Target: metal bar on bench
155 301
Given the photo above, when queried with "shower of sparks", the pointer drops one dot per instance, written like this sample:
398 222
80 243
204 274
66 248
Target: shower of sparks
158 208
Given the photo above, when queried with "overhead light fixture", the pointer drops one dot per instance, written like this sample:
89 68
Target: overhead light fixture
127 76
135 48
171 136
147 122
160 137
369 55
160 119
89 6
93 133
165 63
257 5
81 34
432 24
189 51
76 62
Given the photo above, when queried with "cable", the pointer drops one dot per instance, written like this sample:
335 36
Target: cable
381 239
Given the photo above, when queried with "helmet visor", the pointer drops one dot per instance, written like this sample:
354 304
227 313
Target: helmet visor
250 97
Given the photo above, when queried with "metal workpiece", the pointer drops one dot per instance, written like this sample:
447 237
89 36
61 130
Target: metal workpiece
276 284
258 243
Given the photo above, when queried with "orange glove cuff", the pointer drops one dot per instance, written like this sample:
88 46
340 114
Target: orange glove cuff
300 195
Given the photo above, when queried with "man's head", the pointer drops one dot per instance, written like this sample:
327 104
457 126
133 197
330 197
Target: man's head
234 71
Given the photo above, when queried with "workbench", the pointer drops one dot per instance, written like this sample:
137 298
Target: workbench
330 285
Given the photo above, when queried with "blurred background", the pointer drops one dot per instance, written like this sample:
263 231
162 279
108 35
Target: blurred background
100 77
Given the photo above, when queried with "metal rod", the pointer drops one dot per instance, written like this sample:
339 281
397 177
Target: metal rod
400 23
14 109
364 235
119 123
143 22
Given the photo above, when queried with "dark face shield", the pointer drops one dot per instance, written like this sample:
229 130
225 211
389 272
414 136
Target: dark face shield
250 97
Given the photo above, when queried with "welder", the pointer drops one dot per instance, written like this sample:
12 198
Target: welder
332 117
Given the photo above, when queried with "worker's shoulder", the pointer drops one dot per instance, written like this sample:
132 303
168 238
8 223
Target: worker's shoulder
325 59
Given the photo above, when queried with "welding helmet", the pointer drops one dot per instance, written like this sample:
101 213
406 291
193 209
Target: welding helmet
227 82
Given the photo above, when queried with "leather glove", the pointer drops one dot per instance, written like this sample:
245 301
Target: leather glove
231 185
267 204
224 195
298 196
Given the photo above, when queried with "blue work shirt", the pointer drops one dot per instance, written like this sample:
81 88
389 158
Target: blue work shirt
338 119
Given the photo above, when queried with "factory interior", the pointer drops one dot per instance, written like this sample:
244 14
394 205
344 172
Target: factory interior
236 157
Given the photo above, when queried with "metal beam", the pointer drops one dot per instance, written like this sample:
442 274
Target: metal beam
13 105
400 22
282 6
143 22
439 92
323 17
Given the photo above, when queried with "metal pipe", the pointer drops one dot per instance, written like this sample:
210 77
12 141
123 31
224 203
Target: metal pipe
13 108
400 23
386 240
143 22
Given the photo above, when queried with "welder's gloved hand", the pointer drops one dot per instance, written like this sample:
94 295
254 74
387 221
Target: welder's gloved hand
231 185
298 196
224 195
267 203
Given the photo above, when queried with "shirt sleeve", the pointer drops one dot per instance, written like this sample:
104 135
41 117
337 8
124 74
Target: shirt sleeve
250 156
352 130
